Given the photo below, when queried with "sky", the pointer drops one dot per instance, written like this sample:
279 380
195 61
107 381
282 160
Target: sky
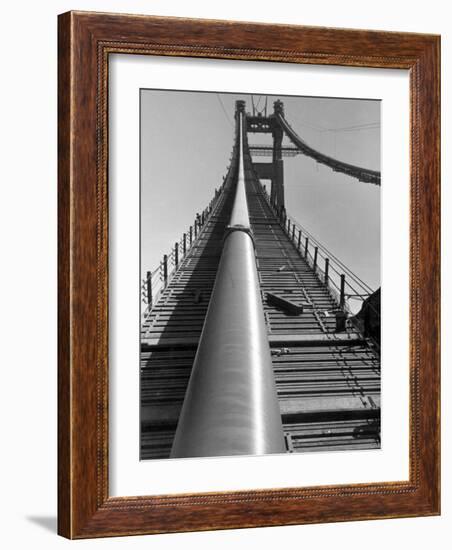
186 142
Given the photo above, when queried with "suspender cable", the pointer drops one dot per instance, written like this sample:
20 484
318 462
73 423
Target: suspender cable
231 405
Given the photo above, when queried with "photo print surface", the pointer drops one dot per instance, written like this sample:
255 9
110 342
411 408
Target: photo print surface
260 274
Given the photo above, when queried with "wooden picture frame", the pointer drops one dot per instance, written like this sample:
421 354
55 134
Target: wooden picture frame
85 42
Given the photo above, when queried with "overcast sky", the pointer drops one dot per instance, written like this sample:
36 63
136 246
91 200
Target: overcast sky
186 141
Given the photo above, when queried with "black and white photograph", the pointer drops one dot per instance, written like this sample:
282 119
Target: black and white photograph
260 274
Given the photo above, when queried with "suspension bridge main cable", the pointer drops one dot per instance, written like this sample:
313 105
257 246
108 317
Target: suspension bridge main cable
362 174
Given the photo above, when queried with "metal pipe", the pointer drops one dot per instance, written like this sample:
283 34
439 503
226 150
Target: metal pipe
231 405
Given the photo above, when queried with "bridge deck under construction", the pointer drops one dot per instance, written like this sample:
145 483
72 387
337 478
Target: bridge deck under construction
328 383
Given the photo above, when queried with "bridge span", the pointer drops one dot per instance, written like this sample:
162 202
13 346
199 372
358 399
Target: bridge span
247 348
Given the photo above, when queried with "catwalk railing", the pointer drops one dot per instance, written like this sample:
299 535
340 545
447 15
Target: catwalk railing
345 287
157 280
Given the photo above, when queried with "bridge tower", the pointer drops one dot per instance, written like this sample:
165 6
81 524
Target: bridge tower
274 171
253 305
